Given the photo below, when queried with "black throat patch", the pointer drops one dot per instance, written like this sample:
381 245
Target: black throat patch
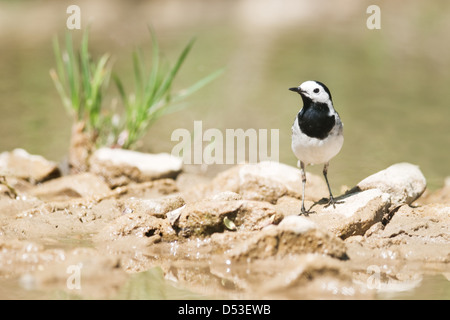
314 120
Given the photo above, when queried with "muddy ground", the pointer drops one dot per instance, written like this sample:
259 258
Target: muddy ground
192 237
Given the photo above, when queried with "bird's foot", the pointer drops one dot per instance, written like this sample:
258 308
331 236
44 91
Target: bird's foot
305 212
333 202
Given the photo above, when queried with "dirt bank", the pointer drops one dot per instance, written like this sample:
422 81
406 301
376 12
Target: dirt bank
236 236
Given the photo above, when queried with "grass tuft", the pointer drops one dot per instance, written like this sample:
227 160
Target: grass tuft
152 96
82 82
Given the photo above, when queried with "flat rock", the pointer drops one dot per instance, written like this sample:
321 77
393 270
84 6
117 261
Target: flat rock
256 215
71 186
428 222
119 167
157 207
61 220
264 181
147 190
225 196
404 182
138 225
34 168
294 235
287 205
413 237
354 214
205 217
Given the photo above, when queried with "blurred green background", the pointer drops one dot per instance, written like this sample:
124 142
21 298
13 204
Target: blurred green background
390 86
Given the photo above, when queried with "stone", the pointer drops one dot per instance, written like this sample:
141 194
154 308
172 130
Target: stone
418 236
205 217
264 181
119 167
14 188
172 216
61 220
354 214
147 190
404 182
430 222
157 207
287 205
226 196
294 235
72 186
255 215
34 168
138 225
297 224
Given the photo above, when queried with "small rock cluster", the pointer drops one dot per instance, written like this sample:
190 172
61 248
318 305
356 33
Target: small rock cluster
241 229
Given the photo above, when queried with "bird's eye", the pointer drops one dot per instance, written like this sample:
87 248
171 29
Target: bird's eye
316 90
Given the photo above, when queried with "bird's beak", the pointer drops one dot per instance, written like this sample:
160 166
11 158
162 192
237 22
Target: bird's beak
295 89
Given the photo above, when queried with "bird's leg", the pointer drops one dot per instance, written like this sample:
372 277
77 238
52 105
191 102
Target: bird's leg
302 169
325 171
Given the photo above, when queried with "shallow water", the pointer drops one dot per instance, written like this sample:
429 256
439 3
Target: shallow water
431 287
152 284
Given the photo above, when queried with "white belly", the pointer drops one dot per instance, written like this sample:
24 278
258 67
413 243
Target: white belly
315 151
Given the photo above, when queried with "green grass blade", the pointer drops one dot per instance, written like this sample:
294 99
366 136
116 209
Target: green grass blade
85 71
165 87
197 86
100 74
120 88
154 80
138 67
59 76
72 75
60 89
59 60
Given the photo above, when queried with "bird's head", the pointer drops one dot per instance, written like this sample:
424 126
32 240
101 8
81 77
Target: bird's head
314 91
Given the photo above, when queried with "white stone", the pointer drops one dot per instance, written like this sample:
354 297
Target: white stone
297 224
288 176
349 206
20 164
404 182
354 214
119 167
147 163
269 180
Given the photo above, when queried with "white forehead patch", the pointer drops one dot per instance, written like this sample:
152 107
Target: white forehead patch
315 91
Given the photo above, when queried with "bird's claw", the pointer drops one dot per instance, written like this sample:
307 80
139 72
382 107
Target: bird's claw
306 212
331 202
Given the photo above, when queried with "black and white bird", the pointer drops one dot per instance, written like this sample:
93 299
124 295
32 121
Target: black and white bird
317 133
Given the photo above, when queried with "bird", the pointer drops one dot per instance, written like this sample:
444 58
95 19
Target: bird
317 132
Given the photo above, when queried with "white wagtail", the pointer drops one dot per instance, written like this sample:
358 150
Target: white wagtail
317 133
